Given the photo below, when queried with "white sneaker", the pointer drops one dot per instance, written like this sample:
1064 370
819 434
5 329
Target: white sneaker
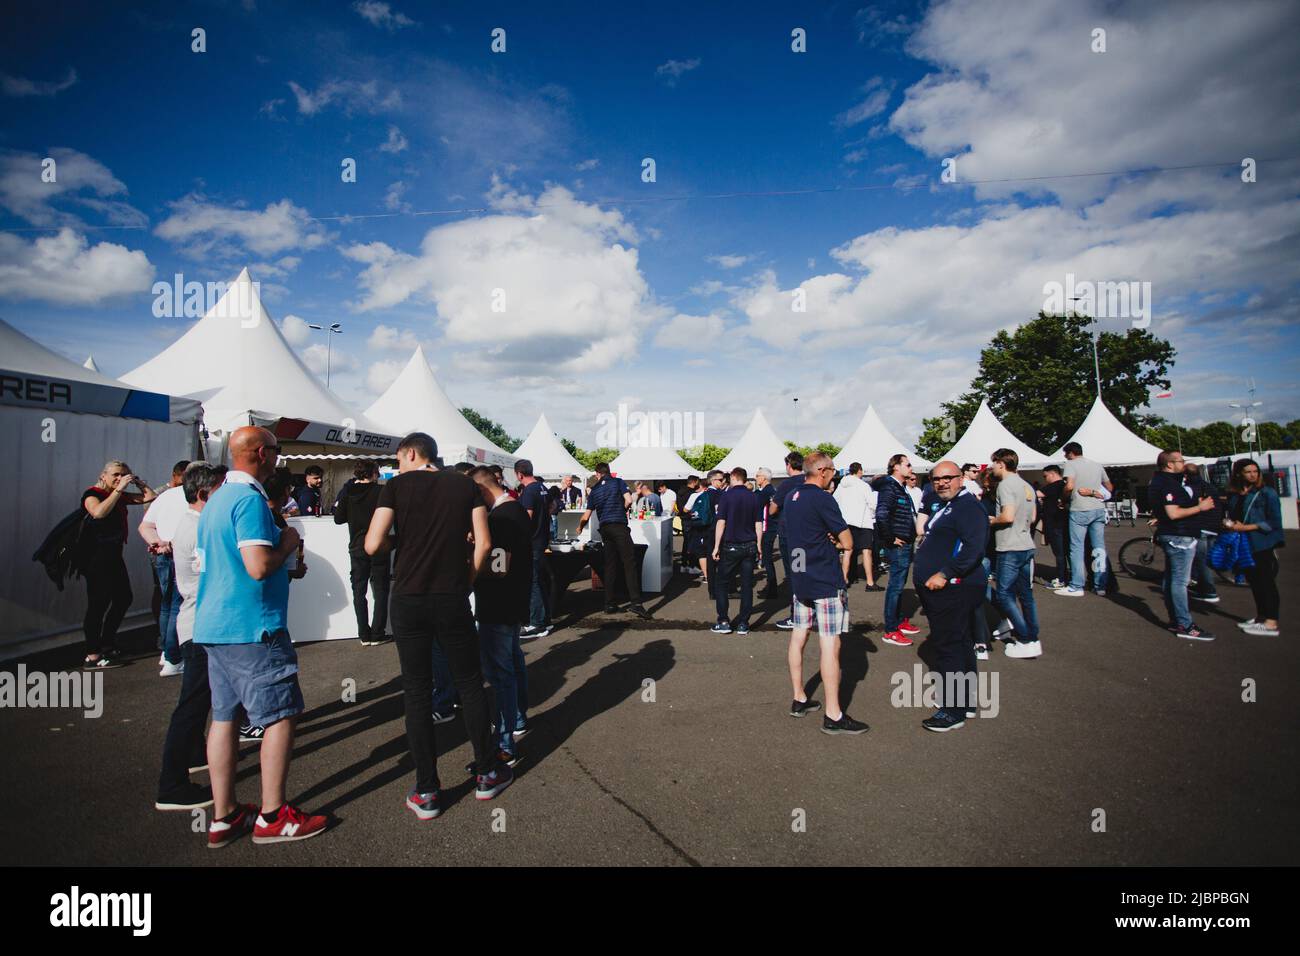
1069 592
981 652
1024 649
171 670
1244 625
162 660
1261 630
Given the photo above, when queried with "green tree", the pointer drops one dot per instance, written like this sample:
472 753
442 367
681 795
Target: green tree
1039 380
826 447
590 459
491 430
705 457
571 447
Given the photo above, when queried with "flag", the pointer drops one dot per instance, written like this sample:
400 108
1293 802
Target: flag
1164 395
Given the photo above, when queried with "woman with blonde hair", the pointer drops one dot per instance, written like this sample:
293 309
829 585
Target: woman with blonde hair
108 586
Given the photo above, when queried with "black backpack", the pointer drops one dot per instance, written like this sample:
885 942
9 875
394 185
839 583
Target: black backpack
66 549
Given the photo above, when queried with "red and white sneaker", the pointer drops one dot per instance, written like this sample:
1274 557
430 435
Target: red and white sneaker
897 638
907 627
221 832
290 824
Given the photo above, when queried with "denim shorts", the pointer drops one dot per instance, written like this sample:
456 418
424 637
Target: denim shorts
263 677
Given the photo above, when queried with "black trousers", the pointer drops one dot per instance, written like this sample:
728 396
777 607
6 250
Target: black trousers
418 621
1056 535
950 612
736 558
184 746
1263 585
769 558
619 550
377 572
109 597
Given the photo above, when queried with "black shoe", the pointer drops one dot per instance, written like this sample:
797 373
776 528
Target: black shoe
767 594
800 708
611 609
786 625
191 796
639 611
101 663
443 717
845 725
503 757
944 720
251 734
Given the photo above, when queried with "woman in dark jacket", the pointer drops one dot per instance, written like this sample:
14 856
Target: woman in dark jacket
1255 509
108 585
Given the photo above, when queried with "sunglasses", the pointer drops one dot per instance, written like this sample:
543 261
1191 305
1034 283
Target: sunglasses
938 478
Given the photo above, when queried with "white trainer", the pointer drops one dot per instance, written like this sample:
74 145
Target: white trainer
1024 649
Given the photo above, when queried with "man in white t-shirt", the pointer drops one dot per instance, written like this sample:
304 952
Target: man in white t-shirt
857 501
668 498
157 527
184 750
1088 486
970 480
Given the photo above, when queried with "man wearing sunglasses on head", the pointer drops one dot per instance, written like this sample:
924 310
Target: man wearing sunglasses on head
950 579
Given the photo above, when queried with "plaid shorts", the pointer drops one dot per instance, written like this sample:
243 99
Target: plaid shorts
831 614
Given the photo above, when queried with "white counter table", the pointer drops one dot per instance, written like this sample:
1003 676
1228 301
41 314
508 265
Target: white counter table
320 604
657 535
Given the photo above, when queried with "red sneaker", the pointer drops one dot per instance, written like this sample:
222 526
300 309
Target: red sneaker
907 627
222 832
898 638
291 824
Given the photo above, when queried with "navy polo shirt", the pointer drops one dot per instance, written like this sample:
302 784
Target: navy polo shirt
606 500
764 496
787 486
810 515
740 508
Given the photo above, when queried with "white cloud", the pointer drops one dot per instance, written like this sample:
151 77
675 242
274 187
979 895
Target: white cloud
66 269
79 179
393 197
395 143
729 262
586 164
385 338
21 86
316 357
381 374
689 331
381 15
353 95
673 70
877 98
295 330
574 294
206 230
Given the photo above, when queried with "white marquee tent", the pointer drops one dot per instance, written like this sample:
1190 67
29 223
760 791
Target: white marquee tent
872 444
651 464
758 447
90 363
985 435
551 460
415 402
59 423
1105 440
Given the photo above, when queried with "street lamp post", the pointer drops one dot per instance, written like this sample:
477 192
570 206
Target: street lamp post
330 331
1092 336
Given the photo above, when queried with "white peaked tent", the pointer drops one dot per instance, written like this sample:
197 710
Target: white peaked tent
90 363
651 464
985 435
415 402
1105 440
236 362
759 447
872 444
550 459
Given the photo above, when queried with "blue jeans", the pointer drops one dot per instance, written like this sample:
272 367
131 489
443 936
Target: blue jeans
899 561
168 642
1015 593
1090 525
539 599
445 696
503 666
1180 556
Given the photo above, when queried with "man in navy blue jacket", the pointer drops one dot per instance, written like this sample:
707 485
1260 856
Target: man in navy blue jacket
950 578
895 532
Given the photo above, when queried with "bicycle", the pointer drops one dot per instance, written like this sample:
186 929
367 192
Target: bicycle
1144 560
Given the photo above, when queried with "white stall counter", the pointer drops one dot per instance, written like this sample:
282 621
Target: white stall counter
657 535
320 603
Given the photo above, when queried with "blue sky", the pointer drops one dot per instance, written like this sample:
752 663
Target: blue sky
620 290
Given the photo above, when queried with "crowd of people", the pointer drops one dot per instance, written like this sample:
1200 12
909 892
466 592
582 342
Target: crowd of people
456 561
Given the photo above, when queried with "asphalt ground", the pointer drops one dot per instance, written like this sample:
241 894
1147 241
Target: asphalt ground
1118 716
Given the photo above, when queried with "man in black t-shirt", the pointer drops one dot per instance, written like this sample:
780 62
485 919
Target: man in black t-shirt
532 495
501 605
1055 513
355 507
1177 507
433 513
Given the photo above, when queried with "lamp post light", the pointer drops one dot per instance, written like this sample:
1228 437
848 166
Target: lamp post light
330 331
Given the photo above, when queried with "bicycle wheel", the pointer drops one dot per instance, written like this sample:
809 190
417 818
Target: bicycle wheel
1143 559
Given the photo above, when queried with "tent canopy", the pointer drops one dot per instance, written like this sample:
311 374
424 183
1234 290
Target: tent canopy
651 464
415 402
985 435
759 447
872 444
550 458
90 363
235 360
36 377
1105 440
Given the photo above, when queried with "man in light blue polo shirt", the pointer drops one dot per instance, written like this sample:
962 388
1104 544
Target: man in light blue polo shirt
242 619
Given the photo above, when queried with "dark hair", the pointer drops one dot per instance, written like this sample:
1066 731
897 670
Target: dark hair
602 469
524 468
740 473
277 487
1162 459
178 469
1055 468
794 460
200 479
314 471
365 469
894 462
1072 448
1007 458
855 468
1237 483
422 444
466 468
692 481
969 465
221 469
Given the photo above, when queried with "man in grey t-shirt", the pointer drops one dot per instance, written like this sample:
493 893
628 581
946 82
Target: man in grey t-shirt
1088 486
1016 506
